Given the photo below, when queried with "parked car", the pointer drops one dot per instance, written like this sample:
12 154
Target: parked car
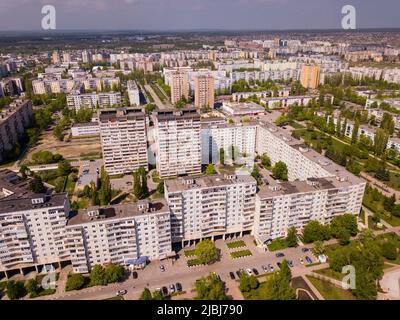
271 267
164 291
279 264
255 271
178 287
134 275
162 268
121 292
305 249
232 275
265 269
279 255
301 261
249 271
308 259
238 273
172 288
290 263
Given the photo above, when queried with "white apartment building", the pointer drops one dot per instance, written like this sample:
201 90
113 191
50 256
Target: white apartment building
178 142
237 96
85 129
214 137
93 100
133 93
210 206
282 102
32 231
287 74
119 234
123 139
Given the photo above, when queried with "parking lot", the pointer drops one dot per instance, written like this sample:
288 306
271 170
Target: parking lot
88 172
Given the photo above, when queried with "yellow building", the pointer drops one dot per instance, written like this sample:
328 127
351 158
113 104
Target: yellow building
309 76
204 91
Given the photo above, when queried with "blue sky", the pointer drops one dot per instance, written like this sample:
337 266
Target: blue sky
198 14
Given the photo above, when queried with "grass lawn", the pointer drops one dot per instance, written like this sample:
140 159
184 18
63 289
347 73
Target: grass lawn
331 273
329 291
277 244
115 298
241 253
236 244
260 292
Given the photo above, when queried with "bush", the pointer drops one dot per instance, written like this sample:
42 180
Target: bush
75 281
389 251
190 253
194 262
239 254
236 244
15 290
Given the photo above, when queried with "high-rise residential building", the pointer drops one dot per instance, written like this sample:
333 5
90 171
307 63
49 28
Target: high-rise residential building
133 93
235 140
119 234
123 139
309 76
55 57
204 91
32 227
66 57
178 141
86 56
210 206
179 85
14 120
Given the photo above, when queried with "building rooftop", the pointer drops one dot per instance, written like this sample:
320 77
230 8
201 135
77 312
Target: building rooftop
218 180
120 114
34 201
13 186
173 114
121 211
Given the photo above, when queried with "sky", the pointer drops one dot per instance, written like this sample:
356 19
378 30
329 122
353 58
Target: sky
197 14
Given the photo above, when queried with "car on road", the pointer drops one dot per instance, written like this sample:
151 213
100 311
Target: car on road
162 268
255 271
279 255
178 287
121 292
308 259
265 269
134 275
172 288
279 264
290 263
232 275
164 291
305 249
249 271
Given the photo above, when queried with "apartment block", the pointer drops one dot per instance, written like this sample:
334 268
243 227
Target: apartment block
32 229
118 234
93 100
204 91
241 138
210 206
14 119
123 139
133 93
309 76
179 85
178 142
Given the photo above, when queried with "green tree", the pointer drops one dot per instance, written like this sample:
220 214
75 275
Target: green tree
146 295
64 168
75 281
280 171
210 170
291 239
314 231
114 273
98 276
389 250
23 170
206 252
278 285
210 288
354 134
15 290
318 248
32 286
265 161
244 282
36 185
387 123
222 156
157 295
380 141
160 187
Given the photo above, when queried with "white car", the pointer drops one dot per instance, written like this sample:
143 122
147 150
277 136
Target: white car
121 292
249 271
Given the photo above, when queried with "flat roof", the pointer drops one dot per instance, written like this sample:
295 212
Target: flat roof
120 211
115 114
12 182
9 205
